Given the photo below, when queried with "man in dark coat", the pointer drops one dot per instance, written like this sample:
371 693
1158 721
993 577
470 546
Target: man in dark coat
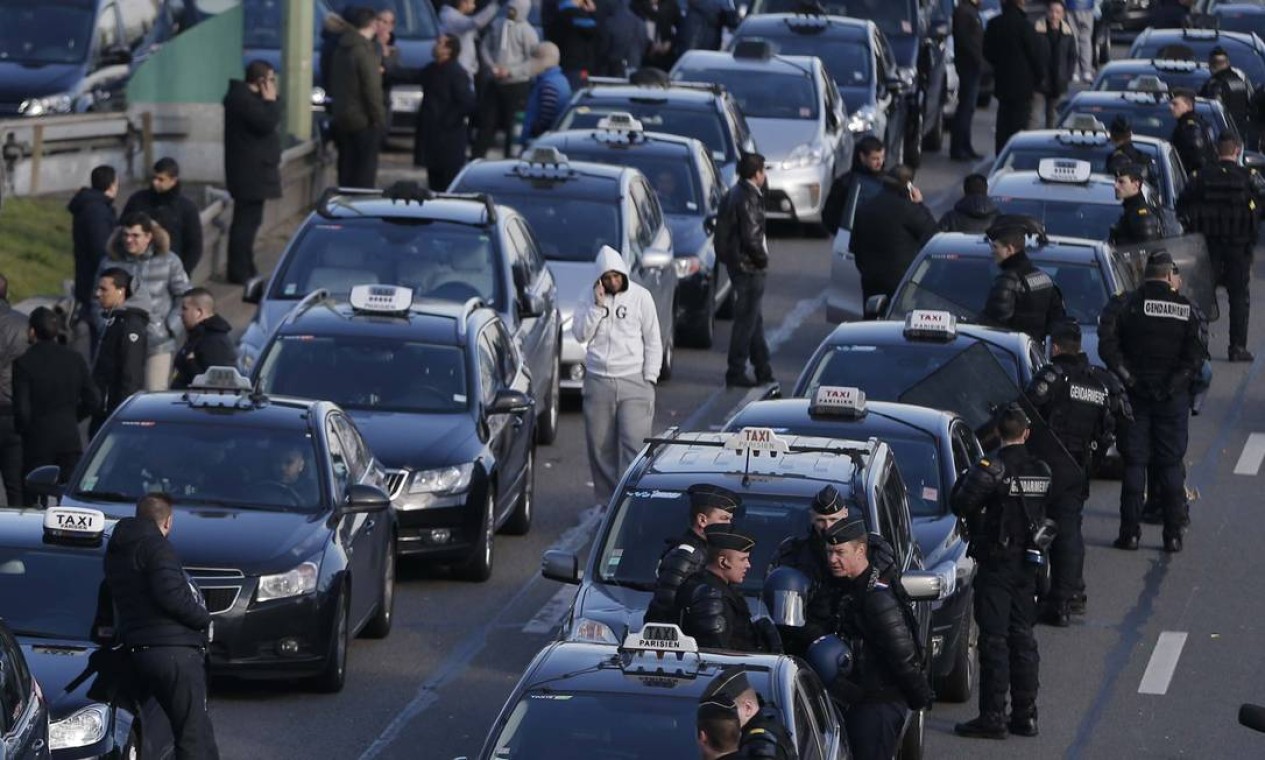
686 554
1023 298
359 110
93 219
165 204
442 130
1011 46
52 392
889 232
968 59
711 606
208 344
1191 137
1058 49
1235 93
13 343
252 161
974 211
119 367
742 245
623 40
865 178
576 31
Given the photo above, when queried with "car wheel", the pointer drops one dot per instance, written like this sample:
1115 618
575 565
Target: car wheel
547 422
380 624
958 684
913 142
334 676
912 742
520 521
669 349
934 140
700 330
478 567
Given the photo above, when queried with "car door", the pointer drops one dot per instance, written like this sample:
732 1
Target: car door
834 743
498 427
355 532
655 240
834 124
519 431
535 336
24 722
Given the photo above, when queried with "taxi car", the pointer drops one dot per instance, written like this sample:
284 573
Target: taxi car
796 114
637 698
931 448
573 208
443 246
1118 75
705 112
71 691
1245 16
1146 107
284 524
440 393
859 58
690 190
1246 50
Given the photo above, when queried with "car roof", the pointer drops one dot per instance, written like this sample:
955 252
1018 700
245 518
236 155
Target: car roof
1059 248
704 97
1037 137
1135 98
278 412
883 419
1152 34
429 320
1152 64
657 143
1100 189
890 332
715 59
785 24
602 180
410 203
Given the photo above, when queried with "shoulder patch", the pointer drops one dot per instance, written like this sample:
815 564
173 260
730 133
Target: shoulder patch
1038 280
687 548
1143 212
984 463
133 337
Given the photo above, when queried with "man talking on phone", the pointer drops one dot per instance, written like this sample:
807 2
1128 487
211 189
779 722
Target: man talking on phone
889 231
619 323
252 161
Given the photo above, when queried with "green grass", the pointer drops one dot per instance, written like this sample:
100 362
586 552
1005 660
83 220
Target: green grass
36 253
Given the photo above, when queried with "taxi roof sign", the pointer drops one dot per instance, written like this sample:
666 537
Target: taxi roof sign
620 121
1148 83
222 379
838 401
1064 170
74 523
659 637
928 323
1085 122
660 649
545 155
754 440
381 299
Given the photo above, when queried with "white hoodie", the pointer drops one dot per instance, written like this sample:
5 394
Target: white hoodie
623 336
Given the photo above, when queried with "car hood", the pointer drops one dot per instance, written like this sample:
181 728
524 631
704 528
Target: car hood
778 137
904 49
856 98
19 81
622 609
935 536
415 440
688 235
73 674
573 279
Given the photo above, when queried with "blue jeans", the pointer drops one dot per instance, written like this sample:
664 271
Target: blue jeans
747 342
960 129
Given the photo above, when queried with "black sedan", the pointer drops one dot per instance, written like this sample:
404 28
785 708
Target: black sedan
1246 51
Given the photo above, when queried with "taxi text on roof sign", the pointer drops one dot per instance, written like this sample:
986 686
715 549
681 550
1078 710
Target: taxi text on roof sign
656 637
930 324
74 522
833 399
757 439
383 299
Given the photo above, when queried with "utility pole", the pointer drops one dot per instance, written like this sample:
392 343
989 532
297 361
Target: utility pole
296 69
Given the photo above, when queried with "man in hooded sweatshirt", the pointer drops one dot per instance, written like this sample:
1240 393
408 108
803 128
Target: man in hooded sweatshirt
165 204
208 344
505 56
619 323
460 19
974 211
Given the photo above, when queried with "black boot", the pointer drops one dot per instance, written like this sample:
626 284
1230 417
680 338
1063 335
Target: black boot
1076 605
1055 614
1023 721
1128 543
986 726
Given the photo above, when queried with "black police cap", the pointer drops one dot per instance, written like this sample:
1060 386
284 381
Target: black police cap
1065 330
726 536
829 502
727 686
707 496
1132 171
1121 125
717 708
851 528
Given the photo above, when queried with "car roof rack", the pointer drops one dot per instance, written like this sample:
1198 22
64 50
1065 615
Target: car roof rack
755 49
762 443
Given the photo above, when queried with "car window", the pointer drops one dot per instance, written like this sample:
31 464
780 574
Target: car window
489 369
637 237
671 178
807 736
48 572
354 449
531 252
894 514
963 456
824 716
12 695
847 60
712 186
567 227
557 724
518 256
338 458
919 460
38 33
656 115
107 29
772 94
1178 171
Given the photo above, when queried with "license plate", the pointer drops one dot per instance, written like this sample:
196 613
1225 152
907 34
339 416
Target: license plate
406 101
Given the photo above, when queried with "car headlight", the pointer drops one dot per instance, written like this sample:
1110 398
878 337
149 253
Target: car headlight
80 729
593 631
862 120
49 104
686 266
318 96
442 479
805 155
301 580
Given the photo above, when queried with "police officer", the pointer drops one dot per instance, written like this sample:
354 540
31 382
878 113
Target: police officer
1151 341
163 622
712 608
858 606
1023 298
808 553
687 555
1080 403
718 730
1139 221
762 731
1224 202
1190 134
1002 501
1234 92
1125 153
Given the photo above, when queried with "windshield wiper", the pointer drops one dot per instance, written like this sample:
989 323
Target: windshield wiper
105 495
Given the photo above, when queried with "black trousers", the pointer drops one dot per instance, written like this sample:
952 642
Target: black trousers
10 459
1066 507
1005 608
247 217
439 176
747 342
358 157
176 677
874 729
1232 264
1012 117
1156 438
497 106
960 131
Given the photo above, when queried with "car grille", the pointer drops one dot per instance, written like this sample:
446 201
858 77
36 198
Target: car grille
220 587
220 598
395 482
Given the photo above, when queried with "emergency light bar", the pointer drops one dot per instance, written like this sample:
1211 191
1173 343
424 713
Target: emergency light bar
1064 170
381 299
928 323
74 523
836 401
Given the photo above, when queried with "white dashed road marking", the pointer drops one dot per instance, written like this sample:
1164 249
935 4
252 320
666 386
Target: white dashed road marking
1159 671
1252 456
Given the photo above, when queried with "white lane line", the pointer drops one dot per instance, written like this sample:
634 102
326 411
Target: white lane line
552 613
794 318
1159 671
1252 456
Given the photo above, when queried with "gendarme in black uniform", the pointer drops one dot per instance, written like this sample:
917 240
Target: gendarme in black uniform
1190 140
1151 341
1001 499
1139 221
764 735
687 554
1023 297
1234 92
713 609
1125 153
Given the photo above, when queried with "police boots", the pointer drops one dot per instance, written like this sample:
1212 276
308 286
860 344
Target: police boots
986 726
1023 722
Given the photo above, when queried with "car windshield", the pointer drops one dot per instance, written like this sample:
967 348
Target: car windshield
1083 220
48 31
204 463
444 260
374 374
885 373
1149 121
894 17
72 578
630 554
563 725
964 282
1118 81
848 61
762 94
655 115
673 179
567 228
1237 21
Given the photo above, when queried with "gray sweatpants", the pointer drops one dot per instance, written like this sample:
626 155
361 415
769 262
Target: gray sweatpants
618 416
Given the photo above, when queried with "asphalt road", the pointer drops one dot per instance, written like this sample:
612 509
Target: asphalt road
432 689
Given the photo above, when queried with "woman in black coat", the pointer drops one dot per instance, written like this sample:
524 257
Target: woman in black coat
442 132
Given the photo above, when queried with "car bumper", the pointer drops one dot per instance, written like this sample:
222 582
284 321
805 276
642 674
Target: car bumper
406 99
797 194
446 529
283 638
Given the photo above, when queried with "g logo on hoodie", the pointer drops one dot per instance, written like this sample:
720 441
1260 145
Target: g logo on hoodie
621 311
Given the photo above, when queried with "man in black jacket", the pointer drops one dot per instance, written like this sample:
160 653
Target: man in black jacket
1139 221
968 59
1010 45
1023 297
252 161
1058 51
1125 153
93 220
13 343
1190 137
119 366
743 247
1234 92
711 606
442 136
974 211
208 344
163 202
163 622
52 392
687 554
889 231
865 178
762 732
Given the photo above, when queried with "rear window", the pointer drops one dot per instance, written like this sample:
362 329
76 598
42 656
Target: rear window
761 94
1119 80
562 725
1241 56
705 125
672 177
1083 220
849 61
567 228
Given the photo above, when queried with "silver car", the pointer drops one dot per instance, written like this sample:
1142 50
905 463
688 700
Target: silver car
796 114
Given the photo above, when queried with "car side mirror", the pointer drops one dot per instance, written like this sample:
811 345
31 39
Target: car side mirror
253 290
1253 160
116 55
531 305
45 481
509 401
656 260
365 498
875 306
561 566
709 224
922 585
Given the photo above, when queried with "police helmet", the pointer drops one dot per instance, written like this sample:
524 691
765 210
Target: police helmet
830 657
785 593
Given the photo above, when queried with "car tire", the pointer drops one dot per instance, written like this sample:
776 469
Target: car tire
547 422
334 675
959 683
700 331
380 624
911 743
519 522
912 152
478 567
669 352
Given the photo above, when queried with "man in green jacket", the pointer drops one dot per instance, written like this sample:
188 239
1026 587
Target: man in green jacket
355 79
